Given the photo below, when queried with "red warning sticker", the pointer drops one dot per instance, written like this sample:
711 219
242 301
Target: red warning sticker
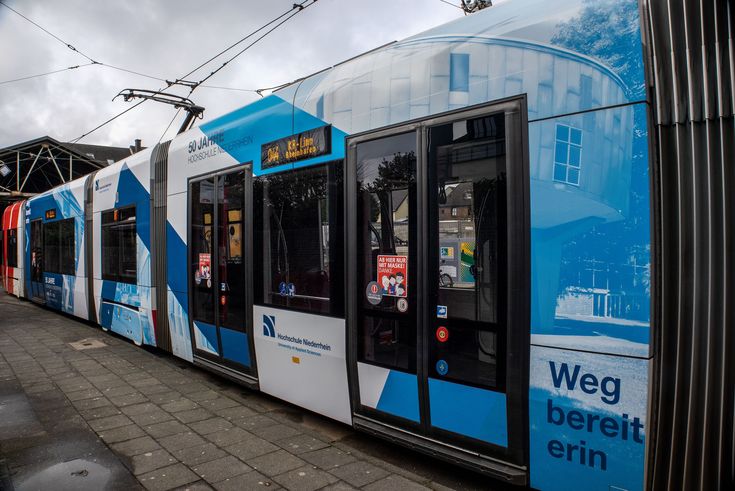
442 334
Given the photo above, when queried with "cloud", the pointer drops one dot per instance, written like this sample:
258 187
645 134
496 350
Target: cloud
167 39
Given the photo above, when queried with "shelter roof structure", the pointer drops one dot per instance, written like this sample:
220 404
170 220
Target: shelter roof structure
35 166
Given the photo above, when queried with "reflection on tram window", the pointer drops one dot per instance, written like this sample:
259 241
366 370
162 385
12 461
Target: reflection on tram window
51 247
119 246
231 267
386 184
298 239
388 342
58 248
202 221
36 245
467 160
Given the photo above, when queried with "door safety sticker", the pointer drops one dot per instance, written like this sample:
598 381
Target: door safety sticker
402 304
204 272
393 275
441 311
373 293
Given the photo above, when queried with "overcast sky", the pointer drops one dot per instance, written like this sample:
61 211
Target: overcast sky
166 39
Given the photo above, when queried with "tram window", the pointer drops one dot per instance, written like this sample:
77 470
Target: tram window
230 239
67 242
386 184
12 248
202 249
58 247
36 246
51 247
119 246
299 239
467 160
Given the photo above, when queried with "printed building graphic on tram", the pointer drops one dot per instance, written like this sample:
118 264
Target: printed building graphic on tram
592 166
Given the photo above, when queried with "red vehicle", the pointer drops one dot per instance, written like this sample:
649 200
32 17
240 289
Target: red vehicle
12 249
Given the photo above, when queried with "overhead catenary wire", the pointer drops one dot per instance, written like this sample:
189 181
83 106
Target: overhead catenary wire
29 77
73 48
75 140
450 3
176 115
68 45
239 89
297 8
127 70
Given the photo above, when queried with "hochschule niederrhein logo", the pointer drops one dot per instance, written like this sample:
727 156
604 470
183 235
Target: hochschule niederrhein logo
297 343
269 325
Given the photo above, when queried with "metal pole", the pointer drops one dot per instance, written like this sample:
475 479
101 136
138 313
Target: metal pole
29 171
48 149
17 171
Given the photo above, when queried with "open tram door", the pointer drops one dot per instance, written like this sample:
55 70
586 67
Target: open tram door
220 284
438 305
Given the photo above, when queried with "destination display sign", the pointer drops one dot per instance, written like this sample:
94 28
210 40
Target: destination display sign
50 214
305 145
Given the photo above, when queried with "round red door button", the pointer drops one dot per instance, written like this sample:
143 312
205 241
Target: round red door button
442 334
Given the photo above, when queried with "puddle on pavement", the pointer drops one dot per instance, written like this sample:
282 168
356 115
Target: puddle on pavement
76 475
17 418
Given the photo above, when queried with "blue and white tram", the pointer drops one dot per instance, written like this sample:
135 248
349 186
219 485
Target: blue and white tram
445 242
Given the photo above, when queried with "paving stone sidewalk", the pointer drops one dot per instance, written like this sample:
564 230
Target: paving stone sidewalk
122 417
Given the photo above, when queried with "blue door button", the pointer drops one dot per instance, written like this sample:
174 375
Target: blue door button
442 367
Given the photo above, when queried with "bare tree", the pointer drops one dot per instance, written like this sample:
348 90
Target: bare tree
471 6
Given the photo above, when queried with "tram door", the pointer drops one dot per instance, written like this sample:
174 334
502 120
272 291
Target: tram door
38 292
438 323
219 252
